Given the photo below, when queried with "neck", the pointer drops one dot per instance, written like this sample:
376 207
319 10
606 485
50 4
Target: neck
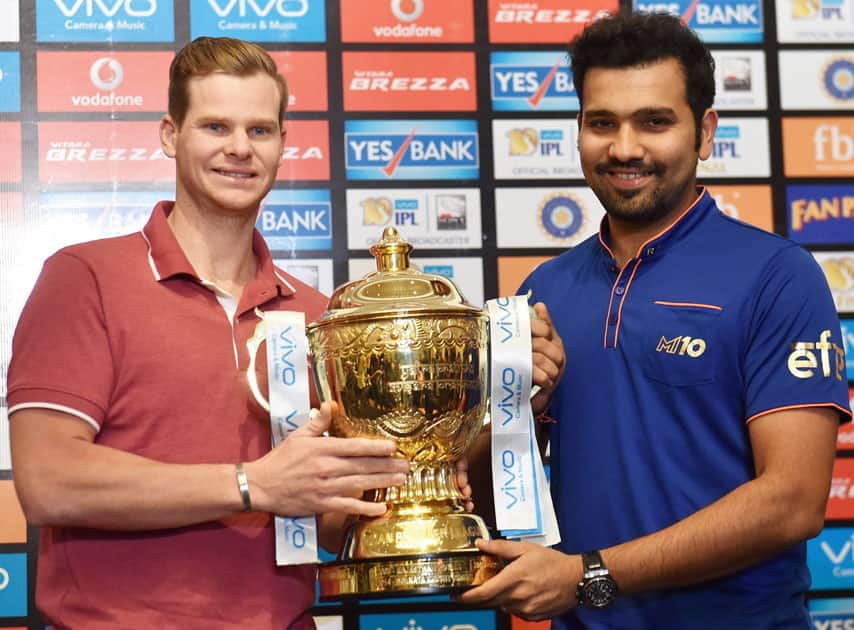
218 245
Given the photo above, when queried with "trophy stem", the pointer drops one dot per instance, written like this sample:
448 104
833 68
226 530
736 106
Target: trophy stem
434 482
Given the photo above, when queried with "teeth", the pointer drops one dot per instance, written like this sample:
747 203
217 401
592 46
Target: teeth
238 175
630 175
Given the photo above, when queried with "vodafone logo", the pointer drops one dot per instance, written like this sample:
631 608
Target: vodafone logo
407 10
106 73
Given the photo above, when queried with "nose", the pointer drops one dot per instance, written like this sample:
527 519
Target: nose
238 144
626 145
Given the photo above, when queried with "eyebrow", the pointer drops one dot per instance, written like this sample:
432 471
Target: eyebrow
645 111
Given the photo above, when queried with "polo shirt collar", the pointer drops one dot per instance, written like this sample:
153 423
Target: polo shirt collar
680 228
167 259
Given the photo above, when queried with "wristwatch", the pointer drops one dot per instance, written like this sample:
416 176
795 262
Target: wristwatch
597 589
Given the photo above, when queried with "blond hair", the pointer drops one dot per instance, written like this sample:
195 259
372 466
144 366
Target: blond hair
208 55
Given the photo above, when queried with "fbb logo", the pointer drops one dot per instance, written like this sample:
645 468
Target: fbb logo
105 21
260 20
93 82
409 81
751 204
822 147
102 152
411 149
821 214
407 21
10 156
305 72
542 21
526 81
305 155
715 21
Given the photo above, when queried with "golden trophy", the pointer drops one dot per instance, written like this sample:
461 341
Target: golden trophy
406 359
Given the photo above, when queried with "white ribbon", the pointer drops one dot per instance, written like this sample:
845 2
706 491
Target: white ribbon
523 506
287 370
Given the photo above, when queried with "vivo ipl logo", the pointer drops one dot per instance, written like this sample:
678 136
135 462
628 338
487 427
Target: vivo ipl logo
511 385
532 81
285 371
509 486
505 319
285 8
408 149
104 20
831 558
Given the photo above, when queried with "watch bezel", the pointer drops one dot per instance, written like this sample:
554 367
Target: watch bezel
593 593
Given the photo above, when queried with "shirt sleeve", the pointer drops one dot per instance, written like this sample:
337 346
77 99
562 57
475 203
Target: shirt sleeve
794 354
61 356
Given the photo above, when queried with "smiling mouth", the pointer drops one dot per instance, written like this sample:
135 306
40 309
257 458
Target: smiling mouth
631 176
234 174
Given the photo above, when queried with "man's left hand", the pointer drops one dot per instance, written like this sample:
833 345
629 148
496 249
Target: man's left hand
537 583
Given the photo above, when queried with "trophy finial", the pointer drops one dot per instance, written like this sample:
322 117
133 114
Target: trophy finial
392 251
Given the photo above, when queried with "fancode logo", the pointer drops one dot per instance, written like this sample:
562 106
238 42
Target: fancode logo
407 21
542 21
821 214
260 20
104 20
716 21
532 81
409 149
802 361
403 81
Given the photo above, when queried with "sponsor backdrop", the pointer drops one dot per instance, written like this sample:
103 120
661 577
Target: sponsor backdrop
454 122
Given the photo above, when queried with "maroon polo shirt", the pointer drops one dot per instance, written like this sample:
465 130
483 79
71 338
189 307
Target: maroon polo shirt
123 334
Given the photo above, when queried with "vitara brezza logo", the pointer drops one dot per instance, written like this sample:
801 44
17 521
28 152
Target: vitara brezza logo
77 151
547 16
377 81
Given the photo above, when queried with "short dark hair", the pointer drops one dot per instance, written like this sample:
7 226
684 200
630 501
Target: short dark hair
626 39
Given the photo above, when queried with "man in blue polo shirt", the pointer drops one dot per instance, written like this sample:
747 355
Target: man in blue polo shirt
704 379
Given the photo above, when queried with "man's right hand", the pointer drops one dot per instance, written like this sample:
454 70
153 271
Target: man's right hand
309 473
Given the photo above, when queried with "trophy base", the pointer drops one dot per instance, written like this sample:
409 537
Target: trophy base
405 576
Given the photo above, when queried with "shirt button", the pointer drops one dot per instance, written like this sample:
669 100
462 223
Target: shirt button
619 290
650 251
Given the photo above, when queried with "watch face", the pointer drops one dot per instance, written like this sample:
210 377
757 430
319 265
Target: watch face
599 592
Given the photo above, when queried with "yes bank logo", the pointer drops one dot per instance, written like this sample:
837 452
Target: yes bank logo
104 20
823 356
296 220
526 81
715 21
411 149
260 20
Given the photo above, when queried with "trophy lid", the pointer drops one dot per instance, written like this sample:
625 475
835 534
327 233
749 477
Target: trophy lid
397 288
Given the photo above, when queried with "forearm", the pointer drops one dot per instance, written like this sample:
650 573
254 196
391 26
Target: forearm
89 485
752 523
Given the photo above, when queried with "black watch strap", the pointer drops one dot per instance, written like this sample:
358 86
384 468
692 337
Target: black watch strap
597 588
592 561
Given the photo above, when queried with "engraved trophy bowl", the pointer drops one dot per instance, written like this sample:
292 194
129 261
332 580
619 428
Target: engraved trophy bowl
406 358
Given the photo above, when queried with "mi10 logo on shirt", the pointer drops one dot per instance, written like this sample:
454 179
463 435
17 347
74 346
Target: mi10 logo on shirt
682 345
807 356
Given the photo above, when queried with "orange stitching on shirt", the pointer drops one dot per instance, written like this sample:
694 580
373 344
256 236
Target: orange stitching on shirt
697 304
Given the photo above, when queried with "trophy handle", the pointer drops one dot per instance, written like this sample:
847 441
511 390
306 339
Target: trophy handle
254 342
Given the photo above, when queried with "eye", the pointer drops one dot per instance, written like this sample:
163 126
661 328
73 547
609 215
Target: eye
215 127
600 124
658 122
260 131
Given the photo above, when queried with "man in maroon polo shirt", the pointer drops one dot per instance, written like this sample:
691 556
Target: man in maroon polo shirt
128 396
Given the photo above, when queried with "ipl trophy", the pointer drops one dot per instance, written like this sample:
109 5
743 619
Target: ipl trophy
406 359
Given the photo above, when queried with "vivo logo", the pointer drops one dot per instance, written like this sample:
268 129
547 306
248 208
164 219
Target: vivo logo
284 349
508 403
504 320
509 488
133 8
295 532
4 578
260 8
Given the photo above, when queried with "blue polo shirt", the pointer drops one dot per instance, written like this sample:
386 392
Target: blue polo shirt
668 360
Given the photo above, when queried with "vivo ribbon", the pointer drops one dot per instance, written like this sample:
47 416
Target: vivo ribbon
287 370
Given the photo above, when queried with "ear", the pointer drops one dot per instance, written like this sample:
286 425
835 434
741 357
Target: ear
168 135
284 136
708 126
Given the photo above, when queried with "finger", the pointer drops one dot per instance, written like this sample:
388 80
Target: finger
317 424
354 485
356 507
507 549
542 312
360 447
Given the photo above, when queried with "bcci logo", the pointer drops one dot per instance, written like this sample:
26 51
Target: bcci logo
561 217
838 79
